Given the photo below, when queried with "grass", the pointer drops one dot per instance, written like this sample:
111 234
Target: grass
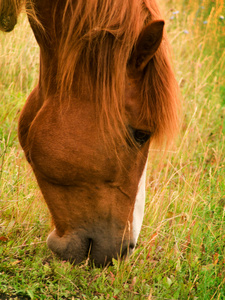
181 248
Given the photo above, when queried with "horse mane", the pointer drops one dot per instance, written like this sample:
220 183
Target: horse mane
96 43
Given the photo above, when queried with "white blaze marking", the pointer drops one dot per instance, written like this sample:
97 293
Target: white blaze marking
138 213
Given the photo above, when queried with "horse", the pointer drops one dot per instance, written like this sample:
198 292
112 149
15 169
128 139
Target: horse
106 91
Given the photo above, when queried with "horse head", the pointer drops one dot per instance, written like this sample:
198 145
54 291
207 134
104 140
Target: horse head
106 91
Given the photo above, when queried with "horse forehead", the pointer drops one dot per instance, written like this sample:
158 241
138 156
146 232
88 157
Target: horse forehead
77 111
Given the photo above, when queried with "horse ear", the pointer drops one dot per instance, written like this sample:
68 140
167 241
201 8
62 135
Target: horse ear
147 44
8 15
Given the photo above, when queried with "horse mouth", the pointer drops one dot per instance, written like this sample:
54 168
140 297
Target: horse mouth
127 251
123 254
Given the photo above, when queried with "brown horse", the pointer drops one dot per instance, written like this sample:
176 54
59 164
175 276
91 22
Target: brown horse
106 90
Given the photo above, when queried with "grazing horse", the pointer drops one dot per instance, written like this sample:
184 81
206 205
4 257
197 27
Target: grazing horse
106 90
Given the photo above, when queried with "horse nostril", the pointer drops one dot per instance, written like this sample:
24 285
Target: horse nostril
127 250
131 246
90 244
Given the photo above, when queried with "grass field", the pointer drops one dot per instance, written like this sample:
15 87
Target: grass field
181 248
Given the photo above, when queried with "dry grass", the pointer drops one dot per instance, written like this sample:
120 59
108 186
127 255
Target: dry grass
180 254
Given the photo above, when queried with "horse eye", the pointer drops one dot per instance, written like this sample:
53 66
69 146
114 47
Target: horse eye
140 136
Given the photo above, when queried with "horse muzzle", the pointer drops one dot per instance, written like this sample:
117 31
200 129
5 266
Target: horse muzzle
78 246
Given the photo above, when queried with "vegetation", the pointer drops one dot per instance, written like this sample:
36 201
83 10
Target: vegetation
181 249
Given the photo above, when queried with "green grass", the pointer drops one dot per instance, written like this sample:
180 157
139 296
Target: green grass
181 248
